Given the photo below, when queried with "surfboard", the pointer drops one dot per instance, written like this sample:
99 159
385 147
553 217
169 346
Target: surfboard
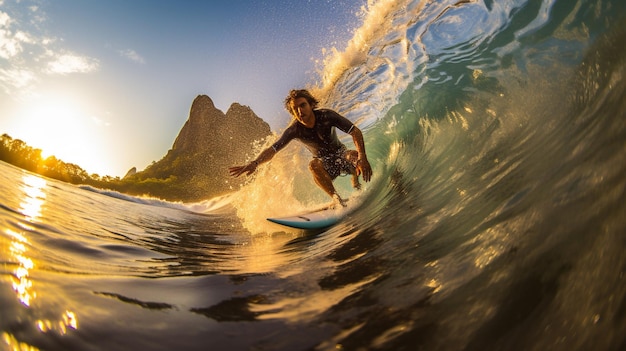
317 219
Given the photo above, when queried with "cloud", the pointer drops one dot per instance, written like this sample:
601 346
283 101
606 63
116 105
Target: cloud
71 63
17 82
18 78
10 43
100 122
5 19
27 54
132 55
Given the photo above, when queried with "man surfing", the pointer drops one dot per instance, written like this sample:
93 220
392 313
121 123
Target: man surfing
315 128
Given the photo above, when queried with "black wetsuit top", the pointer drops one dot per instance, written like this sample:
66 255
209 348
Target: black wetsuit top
322 139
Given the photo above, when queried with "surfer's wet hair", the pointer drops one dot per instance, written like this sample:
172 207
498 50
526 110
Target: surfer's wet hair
298 93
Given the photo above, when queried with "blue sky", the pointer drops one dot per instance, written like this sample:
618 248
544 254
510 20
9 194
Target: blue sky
108 84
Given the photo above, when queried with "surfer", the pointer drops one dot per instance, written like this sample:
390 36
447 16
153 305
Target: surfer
315 128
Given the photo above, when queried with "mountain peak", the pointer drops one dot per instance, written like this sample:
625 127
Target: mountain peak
208 143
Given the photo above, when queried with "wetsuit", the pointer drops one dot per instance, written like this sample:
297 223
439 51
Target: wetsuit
322 140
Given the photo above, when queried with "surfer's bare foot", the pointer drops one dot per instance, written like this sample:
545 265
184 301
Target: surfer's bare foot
338 202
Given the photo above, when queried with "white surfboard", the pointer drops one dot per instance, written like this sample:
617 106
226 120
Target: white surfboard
316 219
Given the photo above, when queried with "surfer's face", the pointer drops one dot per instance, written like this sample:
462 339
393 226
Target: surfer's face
303 112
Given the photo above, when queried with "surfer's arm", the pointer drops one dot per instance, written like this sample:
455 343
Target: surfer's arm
265 156
362 165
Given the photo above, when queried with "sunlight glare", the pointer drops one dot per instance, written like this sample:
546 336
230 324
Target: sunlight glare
54 124
60 126
31 207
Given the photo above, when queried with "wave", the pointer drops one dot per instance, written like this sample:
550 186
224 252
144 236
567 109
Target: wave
207 206
444 91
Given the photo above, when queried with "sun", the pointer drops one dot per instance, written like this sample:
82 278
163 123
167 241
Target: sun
61 126
52 123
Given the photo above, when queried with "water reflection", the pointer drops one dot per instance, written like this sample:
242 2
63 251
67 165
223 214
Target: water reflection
21 282
31 208
194 246
34 197
68 320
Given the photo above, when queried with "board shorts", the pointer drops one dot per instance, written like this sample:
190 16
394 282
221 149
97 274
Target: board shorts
337 164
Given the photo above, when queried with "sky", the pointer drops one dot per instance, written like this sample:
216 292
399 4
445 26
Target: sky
107 85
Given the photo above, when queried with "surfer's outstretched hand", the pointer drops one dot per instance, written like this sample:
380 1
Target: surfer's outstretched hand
363 168
236 171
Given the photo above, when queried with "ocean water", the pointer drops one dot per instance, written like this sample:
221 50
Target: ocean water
495 220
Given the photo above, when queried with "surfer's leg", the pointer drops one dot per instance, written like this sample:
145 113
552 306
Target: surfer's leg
322 178
355 182
352 156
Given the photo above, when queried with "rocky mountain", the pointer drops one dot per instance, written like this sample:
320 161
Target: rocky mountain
209 142
131 172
